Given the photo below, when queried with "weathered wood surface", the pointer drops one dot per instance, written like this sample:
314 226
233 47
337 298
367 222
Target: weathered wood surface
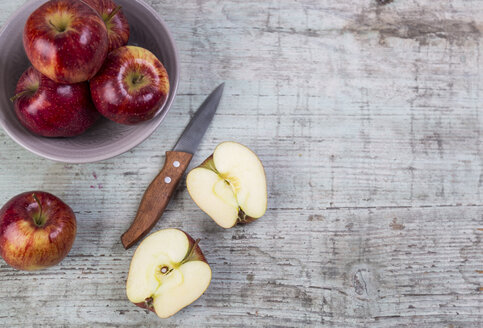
368 118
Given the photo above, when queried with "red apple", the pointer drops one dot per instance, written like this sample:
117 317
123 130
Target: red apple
66 40
116 23
50 109
131 87
37 231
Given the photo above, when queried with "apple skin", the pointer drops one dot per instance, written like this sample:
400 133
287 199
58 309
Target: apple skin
117 26
50 109
66 40
131 87
27 245
197 255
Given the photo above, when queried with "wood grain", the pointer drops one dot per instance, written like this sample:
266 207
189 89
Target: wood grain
367 116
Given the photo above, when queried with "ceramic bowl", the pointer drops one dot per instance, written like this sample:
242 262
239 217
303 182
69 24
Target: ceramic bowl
106 139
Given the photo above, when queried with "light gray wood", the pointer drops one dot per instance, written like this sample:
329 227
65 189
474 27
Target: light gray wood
368 119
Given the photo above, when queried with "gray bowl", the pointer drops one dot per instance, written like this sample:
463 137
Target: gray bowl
106 139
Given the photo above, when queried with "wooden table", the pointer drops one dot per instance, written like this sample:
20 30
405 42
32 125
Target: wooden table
368 118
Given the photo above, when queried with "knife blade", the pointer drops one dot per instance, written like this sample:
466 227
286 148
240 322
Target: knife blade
160 191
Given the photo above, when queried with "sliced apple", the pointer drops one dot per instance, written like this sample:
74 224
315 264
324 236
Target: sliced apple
168 272
230 186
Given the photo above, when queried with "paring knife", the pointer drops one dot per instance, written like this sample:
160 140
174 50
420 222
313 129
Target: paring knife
160 191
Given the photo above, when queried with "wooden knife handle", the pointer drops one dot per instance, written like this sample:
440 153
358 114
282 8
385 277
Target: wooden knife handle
157 197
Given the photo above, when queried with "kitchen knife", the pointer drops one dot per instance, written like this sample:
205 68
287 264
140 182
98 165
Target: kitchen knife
160 191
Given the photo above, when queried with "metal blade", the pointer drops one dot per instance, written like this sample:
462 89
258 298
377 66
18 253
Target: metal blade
194 132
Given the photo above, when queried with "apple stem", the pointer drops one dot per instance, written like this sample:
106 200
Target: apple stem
61 28
38 218
138 79
20 94
149 302
243 218
191 251
112 14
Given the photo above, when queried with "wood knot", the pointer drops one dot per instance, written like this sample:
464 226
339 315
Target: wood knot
384 2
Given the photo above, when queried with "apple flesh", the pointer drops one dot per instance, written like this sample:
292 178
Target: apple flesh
131 87
66 40
50 109
115 20
37 231
230 186
168 272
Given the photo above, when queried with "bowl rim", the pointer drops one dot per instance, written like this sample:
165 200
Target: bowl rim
144 134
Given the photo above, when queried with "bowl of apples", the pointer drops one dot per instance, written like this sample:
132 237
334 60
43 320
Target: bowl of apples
85 80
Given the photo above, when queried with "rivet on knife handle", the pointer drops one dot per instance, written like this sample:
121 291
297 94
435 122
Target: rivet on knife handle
157 197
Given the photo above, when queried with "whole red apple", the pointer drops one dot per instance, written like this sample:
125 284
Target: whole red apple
116 23
66 40
37 231
131 87
50 109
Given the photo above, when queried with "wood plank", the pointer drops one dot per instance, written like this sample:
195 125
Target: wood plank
368 119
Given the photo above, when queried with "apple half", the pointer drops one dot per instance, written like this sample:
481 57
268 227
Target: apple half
168 272
230 186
